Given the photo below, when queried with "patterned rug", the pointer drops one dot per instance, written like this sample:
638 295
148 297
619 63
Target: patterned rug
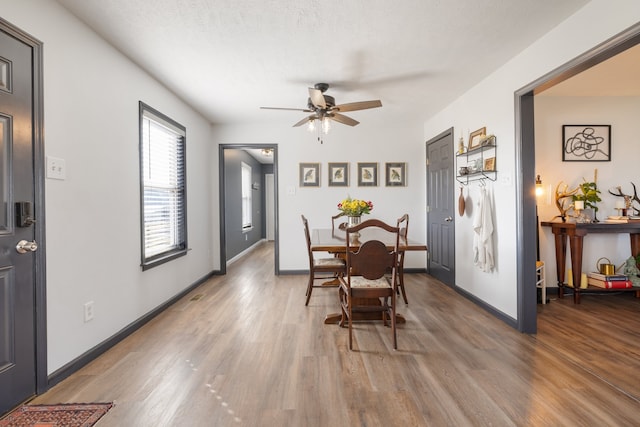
63 415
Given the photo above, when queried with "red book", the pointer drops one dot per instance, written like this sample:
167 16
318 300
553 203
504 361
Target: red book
610 284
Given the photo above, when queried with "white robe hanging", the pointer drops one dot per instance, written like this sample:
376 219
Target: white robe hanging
483 233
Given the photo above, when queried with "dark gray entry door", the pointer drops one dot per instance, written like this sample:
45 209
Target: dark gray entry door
17 244
440 208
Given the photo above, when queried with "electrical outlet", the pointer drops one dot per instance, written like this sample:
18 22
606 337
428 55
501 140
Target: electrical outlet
88 311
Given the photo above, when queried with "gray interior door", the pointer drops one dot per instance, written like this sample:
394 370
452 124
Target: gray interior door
17 267
440 208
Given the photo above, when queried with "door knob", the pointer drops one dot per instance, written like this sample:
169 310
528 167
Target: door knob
24 246
448 219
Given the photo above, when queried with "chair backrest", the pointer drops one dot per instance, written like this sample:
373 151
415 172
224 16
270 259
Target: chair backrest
403 225
307 236
334 218
371 259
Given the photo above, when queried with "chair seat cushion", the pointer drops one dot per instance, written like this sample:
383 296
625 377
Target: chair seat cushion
329 262
361 282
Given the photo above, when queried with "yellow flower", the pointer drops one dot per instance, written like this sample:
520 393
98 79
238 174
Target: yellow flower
355 207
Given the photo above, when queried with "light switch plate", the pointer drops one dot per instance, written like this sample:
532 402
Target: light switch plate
56 168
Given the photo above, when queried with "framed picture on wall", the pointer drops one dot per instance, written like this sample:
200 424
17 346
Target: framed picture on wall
476 137
586 143
309 174
395 174
338 174
490 164
367 174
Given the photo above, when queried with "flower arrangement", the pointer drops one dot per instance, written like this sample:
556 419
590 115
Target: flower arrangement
355 207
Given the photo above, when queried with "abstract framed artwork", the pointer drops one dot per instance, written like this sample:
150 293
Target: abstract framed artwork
338 174
309 174
367 174
586 143
395 174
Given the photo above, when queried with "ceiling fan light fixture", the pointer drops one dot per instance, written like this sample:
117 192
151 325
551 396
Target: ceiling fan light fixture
326 125
311 126
267 151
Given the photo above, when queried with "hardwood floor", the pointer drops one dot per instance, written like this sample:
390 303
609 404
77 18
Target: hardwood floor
242 349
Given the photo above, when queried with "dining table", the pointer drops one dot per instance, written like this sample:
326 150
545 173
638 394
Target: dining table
335 241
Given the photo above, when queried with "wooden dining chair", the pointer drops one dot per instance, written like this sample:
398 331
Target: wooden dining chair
403 225
366 288
321 268
334 219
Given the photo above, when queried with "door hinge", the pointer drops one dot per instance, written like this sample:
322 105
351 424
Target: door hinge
427 162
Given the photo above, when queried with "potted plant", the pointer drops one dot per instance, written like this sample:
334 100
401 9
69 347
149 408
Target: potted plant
589 194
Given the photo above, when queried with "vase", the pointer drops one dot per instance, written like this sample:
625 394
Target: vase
353 220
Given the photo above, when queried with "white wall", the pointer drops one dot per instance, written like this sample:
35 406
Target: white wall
91 95
491 104
622 114
372 140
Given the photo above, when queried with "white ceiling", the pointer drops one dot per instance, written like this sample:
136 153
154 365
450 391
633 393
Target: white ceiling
227 58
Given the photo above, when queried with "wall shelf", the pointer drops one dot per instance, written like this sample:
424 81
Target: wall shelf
480 163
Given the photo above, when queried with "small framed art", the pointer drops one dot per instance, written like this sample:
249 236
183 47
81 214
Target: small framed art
586 143
475 138
490 164
338 174
395 174
367 174
309 174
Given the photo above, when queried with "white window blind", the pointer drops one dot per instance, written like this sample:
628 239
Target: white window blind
247 216
162 151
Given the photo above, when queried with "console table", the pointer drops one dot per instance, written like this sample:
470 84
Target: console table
575 233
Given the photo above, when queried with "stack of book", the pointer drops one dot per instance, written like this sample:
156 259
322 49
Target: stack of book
611 281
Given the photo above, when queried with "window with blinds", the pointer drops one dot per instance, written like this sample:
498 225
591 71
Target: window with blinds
247 217
163 187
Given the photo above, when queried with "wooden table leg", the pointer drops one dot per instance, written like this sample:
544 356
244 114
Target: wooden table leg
634 239
560 238
575 245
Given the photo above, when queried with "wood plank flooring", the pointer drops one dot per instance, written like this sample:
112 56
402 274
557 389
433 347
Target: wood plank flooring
242 349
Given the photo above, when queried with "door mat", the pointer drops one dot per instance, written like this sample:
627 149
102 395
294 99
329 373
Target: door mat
62 415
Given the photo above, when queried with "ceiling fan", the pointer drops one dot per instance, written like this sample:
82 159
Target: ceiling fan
324 108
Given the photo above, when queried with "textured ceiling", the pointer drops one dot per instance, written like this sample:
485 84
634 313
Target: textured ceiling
227 58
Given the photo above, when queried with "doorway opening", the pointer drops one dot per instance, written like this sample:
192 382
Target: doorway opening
525 149
264 161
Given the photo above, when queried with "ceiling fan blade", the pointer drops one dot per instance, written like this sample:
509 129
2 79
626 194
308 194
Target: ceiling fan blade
304 110
317 98
305 120
341 118
362 105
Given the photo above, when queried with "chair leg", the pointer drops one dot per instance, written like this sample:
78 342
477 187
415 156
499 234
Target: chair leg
350 328
309 289
343 317
393 321
401 285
